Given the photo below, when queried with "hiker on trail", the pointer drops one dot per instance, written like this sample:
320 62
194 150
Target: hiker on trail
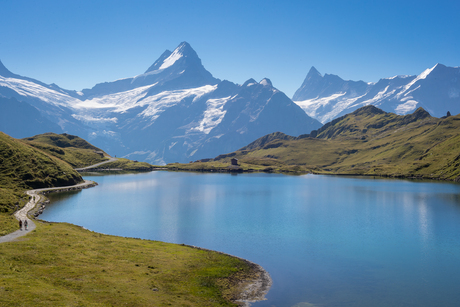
20 224
25 224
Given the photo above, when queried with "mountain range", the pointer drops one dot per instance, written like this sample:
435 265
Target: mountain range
437 90
175 111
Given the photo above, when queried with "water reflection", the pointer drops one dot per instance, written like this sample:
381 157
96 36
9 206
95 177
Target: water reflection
328 241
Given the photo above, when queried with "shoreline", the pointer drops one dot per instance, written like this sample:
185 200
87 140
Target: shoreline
277 171
251 290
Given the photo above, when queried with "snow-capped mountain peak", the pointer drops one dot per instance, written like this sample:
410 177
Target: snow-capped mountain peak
249 82
156 66
179 69
169 61
168 58
436 89
266 82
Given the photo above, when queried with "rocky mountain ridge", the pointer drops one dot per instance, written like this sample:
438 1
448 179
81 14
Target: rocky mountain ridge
175 111
327 97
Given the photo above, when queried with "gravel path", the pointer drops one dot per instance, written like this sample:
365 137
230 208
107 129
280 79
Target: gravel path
35 198
253 292
96 165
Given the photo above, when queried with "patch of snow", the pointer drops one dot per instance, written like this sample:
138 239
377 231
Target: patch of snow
213 114
410 92
422 76
399 76
89 118
172 145
406 107
164 100
121 79
169 61
139 152
310 106
80 93
339 103
34 90
264 82
120 102
154 72
109 133
193 152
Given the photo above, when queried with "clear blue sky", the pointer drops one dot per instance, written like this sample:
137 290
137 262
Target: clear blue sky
77 44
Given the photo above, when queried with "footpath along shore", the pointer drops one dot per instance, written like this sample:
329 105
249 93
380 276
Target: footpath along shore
252 292
34 199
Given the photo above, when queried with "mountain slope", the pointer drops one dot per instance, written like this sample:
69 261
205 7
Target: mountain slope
30 119
69 148
204 123
437 90
175 111
368 141
25 167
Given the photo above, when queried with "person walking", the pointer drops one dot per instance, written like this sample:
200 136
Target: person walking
20 224
25 224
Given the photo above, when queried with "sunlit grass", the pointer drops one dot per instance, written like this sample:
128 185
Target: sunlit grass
65 265
362 143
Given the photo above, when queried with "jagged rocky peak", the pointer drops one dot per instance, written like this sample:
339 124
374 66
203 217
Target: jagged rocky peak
266 82
183 52
250 82
159 62
313 74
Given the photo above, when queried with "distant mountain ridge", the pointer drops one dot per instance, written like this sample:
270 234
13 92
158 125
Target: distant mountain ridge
326 97
175 111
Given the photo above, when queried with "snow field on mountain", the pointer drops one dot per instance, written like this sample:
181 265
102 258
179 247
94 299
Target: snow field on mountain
34 90
160 102
213 115
119 102
169 61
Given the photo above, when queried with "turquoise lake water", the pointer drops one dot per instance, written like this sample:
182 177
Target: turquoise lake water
325 240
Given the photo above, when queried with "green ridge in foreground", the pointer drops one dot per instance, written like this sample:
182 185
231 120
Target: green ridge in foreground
23 167
80 154
69 148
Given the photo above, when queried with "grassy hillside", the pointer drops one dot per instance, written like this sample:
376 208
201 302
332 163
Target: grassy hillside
69 148
368 141
65 265
23 167
127 165
51 265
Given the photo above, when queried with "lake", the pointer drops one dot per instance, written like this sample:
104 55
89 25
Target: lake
325 240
